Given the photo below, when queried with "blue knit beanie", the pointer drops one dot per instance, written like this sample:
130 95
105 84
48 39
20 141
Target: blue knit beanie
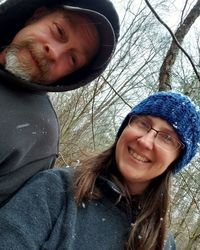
180 112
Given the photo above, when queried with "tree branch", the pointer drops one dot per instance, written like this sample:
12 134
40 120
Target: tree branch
165 70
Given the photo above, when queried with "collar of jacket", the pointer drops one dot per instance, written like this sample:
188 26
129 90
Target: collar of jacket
118 198
110 189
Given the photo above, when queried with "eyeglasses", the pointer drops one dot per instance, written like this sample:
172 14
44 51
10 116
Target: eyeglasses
164 140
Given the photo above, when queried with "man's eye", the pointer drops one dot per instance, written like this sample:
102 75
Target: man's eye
73 60
60 31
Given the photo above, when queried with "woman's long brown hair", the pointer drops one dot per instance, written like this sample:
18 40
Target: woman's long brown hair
148 229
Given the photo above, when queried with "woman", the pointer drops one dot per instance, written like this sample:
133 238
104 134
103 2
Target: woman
116 200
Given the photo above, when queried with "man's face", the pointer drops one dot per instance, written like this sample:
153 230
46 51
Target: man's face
53 46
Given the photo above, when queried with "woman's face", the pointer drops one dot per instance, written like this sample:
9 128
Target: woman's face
140 157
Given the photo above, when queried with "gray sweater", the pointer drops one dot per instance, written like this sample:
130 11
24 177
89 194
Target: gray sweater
43 215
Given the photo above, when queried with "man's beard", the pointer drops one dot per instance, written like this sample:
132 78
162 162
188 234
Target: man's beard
24 68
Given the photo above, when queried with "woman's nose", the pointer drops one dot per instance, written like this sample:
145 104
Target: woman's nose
147 140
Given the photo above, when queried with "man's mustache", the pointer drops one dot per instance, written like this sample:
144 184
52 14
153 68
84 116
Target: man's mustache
36 52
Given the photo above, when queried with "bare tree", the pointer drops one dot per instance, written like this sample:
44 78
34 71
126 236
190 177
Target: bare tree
178 37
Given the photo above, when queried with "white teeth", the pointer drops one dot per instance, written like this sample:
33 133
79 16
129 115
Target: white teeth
137 156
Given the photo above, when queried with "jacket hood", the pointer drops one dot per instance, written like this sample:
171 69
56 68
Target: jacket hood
14 14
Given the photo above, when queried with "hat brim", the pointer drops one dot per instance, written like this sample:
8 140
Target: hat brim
106 34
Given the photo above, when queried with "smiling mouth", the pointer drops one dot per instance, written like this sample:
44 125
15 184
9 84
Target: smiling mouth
137 157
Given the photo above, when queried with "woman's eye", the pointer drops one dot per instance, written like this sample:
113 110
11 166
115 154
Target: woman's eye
143 124
167 138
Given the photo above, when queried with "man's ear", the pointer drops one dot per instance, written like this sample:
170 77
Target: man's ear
38 13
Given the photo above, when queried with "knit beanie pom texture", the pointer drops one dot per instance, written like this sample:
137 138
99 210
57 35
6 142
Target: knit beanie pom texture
180 112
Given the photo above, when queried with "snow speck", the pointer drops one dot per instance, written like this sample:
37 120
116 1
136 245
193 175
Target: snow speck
22 125
74 236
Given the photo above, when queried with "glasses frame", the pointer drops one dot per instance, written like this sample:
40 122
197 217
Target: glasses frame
181 145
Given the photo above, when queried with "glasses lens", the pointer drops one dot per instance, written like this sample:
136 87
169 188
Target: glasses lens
164 140
167 141
140 124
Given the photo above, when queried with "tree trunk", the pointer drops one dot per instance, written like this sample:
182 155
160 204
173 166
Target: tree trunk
166 68
194 236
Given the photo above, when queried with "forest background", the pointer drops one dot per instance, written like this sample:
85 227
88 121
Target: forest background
158 49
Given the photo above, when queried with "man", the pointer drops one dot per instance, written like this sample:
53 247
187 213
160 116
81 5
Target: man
53 44
102 15
61 47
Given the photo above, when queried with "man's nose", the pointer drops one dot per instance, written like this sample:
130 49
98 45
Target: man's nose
54 51
147 140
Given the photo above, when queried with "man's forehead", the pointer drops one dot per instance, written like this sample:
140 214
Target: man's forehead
73 15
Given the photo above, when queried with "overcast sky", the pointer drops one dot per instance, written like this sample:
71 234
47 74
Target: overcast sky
173 14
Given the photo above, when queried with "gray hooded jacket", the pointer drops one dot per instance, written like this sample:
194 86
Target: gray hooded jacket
28 123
